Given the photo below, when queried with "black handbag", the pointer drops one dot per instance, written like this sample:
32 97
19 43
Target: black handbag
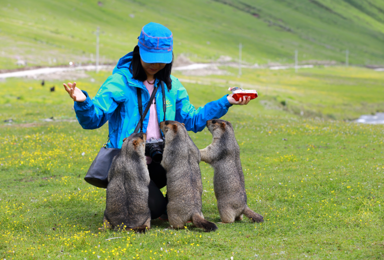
97 174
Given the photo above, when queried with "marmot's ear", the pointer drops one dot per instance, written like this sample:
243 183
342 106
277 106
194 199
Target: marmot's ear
222 125
135 143
174 128
183 124
124 139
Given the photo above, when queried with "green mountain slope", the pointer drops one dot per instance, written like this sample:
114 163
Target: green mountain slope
48 32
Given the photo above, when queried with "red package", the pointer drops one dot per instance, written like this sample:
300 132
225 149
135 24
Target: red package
241 93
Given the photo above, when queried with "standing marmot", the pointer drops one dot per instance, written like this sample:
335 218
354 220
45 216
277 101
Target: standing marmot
181 160
223 154
127 191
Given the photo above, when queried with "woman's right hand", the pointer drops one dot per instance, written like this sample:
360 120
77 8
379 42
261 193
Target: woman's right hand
75 93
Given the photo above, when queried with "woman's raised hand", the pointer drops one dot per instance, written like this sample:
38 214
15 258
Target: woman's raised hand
232 101
75 93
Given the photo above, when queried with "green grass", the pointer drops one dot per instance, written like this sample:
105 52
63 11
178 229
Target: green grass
317 182
42 31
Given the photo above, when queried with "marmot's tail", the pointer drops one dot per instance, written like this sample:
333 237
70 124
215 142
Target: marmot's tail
252 215
200 222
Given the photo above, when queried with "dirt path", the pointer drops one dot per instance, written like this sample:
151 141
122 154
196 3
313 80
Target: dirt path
50 71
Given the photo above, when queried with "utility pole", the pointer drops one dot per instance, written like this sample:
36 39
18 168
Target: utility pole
97 48
296 52
240 47
346 58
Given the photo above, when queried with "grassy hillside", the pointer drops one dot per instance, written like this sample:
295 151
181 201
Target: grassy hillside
47 32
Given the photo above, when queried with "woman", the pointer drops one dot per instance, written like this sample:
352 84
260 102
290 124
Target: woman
117 100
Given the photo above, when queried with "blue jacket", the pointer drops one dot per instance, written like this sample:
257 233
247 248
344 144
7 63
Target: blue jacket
116 102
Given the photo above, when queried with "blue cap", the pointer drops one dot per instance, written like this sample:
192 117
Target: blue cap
155 43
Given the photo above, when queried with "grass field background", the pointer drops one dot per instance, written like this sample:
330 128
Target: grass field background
314 174
316 179
45 32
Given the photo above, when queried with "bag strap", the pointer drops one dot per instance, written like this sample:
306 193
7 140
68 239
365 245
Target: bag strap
164 101
140 124
140 102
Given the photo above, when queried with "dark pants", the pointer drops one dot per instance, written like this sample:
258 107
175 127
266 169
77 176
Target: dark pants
156 201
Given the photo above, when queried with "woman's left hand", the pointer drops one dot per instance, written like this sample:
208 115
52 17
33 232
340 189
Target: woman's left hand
232 101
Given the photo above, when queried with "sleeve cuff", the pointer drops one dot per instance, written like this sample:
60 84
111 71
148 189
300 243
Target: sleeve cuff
85 105
224 101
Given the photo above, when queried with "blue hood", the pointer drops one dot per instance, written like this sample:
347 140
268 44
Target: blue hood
122 68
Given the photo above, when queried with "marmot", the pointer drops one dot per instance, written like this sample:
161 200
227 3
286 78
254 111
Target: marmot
181 160
223 154
127 190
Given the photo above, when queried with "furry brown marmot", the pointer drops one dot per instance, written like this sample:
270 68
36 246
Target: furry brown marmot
223 154
181 160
